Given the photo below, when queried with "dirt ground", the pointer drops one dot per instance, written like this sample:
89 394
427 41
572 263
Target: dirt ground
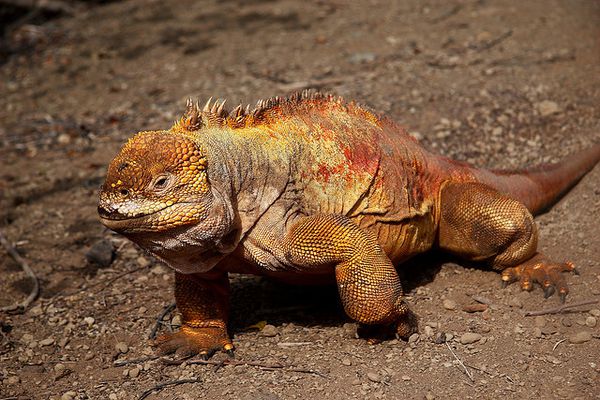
496 83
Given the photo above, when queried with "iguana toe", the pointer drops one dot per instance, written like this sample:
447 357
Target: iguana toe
539 269
191 341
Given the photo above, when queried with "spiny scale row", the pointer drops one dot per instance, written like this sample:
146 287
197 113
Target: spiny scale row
214 113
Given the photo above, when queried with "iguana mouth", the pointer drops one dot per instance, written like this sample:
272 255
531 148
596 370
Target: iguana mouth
110 214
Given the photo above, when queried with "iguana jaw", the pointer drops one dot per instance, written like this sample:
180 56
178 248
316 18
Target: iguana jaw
157 220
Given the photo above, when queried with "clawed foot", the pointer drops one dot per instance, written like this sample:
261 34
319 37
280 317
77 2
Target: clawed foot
541 270
191 341
401 329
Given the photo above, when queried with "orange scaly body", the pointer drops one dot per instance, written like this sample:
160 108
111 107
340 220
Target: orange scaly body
310 187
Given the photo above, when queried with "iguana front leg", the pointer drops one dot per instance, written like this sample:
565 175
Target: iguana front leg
203 300
368 283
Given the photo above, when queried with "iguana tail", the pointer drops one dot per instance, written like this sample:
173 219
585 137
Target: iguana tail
542 186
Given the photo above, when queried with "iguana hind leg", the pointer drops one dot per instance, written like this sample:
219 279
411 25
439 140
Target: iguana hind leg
480 224
203 302
367 281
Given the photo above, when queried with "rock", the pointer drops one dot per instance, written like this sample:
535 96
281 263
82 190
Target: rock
428 331
373 376
176 320
27 338
142 261
429 396
595 312
591 321
449 304
134 372
413 338
540 321
269 331
406 378
13 380
566 322
580 337
102 253
49 341
346 361
122 347
349 329
59 368
70 395
537 332
547 107
89 320
470 337
439 338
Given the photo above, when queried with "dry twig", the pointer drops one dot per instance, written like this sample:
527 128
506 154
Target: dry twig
121 363
159 319
231 361
557 343
461 363
163 385
35 290
559 309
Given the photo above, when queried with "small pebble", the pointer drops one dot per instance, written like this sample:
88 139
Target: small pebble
428 331
595 312
58 368
49 341
134 372
449 304
122 347
470 337
346 361
113 396
413 338
440 338
547 107
269 331
176 320
537 332
13 380
540 321
429 396
406 378
373 376
591 321
580 337
143 261
102 253
70 395
566 322
89 320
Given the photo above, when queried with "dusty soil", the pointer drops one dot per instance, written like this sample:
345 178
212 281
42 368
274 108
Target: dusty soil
500 84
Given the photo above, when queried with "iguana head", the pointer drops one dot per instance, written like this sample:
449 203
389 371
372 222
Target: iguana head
157 193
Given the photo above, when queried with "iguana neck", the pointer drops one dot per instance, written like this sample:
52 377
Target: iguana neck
249 169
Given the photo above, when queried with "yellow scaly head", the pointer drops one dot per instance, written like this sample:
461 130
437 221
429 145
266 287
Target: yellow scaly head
157 182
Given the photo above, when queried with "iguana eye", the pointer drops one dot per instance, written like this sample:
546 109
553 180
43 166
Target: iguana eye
161 182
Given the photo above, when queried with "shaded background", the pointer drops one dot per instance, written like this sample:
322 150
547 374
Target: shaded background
496 83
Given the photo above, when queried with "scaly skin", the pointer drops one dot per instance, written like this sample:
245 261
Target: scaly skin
311 187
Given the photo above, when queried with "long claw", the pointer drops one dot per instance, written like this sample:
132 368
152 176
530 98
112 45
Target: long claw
562 296
541 271
548 291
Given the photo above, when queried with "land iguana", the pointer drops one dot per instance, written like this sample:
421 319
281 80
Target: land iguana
311 186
